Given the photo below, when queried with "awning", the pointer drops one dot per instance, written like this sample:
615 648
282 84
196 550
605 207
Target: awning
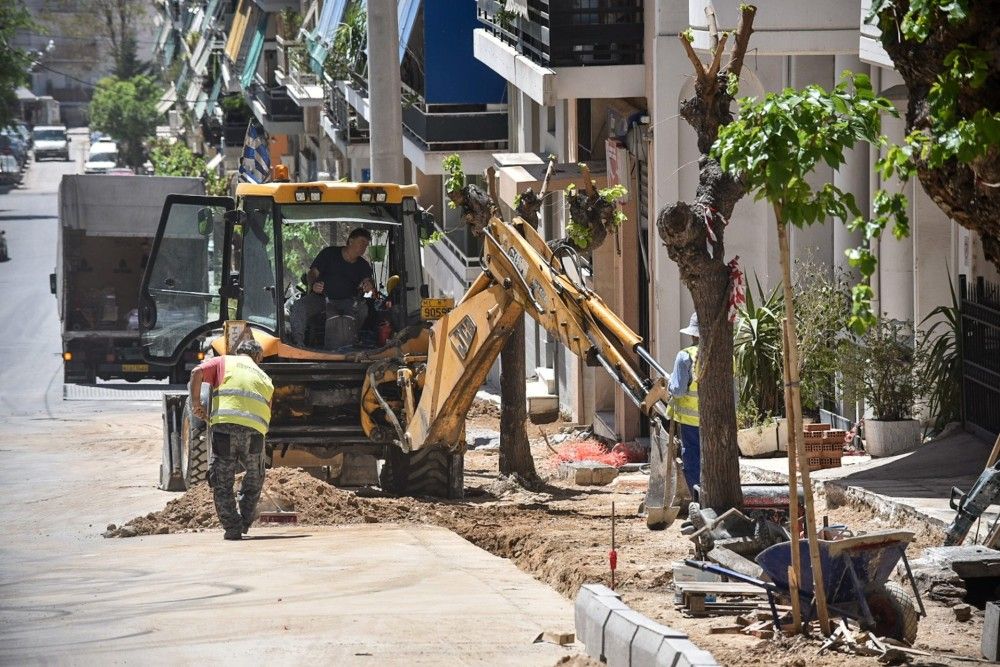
167 100
24 95
163 34
407 12
183 80
255 51
319 40
168 49
193 91
208 18
206 105
199 59
245 18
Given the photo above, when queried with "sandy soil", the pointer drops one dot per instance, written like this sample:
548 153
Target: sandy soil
561 535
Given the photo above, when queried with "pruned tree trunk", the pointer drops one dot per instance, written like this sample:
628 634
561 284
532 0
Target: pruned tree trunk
686 229
515 452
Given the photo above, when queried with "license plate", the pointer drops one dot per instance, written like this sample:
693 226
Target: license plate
435 309
135 368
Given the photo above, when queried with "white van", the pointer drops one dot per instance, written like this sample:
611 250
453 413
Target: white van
50 141
102 158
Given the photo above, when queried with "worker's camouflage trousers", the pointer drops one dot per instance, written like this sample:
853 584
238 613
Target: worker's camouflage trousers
234 447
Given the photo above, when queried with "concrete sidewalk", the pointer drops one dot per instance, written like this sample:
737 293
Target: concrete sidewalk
920 480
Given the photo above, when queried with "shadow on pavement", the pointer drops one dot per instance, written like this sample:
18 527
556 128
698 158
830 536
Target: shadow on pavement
929 472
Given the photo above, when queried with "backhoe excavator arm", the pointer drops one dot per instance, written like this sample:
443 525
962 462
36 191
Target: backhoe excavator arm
523 275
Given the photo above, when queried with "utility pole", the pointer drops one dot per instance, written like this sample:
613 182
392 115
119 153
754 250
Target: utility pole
384 103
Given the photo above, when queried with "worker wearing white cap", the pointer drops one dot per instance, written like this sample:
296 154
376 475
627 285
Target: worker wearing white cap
683 408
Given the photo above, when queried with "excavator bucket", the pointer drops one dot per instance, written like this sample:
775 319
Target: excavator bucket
660 495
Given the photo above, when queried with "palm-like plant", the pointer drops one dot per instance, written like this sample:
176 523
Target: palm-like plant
941 362
757 351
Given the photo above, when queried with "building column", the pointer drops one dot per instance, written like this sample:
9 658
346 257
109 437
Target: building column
852 177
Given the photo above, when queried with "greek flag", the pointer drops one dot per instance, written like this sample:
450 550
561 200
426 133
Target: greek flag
255 166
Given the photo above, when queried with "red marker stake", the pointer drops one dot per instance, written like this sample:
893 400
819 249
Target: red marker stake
613 555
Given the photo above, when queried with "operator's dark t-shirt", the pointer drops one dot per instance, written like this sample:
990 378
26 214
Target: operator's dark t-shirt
340 277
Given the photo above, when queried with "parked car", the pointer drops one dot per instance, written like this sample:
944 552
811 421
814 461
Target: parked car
51 141
103 156
22 129
12 142
10 170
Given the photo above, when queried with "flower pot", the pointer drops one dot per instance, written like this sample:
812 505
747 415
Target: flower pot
888 438
758 440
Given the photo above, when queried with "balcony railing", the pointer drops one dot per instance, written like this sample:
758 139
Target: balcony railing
453 127
293 63
278 106
344 117
570 33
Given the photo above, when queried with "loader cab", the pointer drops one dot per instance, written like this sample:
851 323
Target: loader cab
218 258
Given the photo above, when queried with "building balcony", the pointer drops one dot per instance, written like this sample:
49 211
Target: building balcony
561 51
291 70
788 27
347 128
561 33
455 127
276 111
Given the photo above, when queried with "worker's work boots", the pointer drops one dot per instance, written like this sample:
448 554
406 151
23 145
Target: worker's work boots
233 534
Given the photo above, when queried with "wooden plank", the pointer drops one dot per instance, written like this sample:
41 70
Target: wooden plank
723 587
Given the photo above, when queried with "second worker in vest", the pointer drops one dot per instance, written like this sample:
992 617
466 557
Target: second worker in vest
241 414
683 387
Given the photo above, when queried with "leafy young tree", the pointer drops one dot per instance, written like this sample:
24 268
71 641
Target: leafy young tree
772 148
126 110
14 62
946 52
176 159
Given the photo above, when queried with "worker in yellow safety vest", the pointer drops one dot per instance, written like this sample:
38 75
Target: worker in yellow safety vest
683 408
241 414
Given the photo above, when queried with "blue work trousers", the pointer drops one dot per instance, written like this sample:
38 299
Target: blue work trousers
691 457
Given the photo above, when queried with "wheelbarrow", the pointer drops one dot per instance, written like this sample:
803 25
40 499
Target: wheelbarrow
856 574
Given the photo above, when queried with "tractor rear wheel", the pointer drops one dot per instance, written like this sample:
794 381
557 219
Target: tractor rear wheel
894 611
430 471
194 447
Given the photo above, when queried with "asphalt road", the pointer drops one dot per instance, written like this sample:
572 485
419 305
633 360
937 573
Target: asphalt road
370 595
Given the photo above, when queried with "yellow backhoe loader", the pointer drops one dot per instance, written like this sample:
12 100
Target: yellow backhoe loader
397 387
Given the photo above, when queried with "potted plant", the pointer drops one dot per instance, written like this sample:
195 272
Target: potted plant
756 435
883 368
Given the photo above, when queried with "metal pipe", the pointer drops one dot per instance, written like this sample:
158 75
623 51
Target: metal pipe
648 358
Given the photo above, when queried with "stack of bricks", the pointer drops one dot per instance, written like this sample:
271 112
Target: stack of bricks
824 446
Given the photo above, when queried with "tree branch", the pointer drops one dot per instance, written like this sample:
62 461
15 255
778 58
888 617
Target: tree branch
699 69
743 32
713 71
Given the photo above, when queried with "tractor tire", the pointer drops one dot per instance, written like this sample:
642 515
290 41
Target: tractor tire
194 448
894 611
432 472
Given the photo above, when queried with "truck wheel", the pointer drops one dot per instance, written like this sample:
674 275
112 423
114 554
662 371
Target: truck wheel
431 471
894 611
194 448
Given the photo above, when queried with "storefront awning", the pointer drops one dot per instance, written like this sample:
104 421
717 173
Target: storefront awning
255 51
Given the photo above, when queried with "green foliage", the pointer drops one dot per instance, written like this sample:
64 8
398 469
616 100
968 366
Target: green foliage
300 243
431 239
757 353
688 35
452 166
176 159
957 130
940 369
882 366
822 310
347 55
234 104
14 62
192 39
779 140
613 196
126 110
291 21
732 84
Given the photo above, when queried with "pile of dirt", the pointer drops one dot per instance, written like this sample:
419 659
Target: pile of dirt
483 408
287 489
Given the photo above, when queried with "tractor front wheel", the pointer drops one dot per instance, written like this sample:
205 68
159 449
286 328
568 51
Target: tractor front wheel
431 471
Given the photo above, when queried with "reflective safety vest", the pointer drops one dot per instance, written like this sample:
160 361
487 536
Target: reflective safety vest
244 396
684 409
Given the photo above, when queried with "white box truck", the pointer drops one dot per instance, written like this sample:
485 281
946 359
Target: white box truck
106 230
